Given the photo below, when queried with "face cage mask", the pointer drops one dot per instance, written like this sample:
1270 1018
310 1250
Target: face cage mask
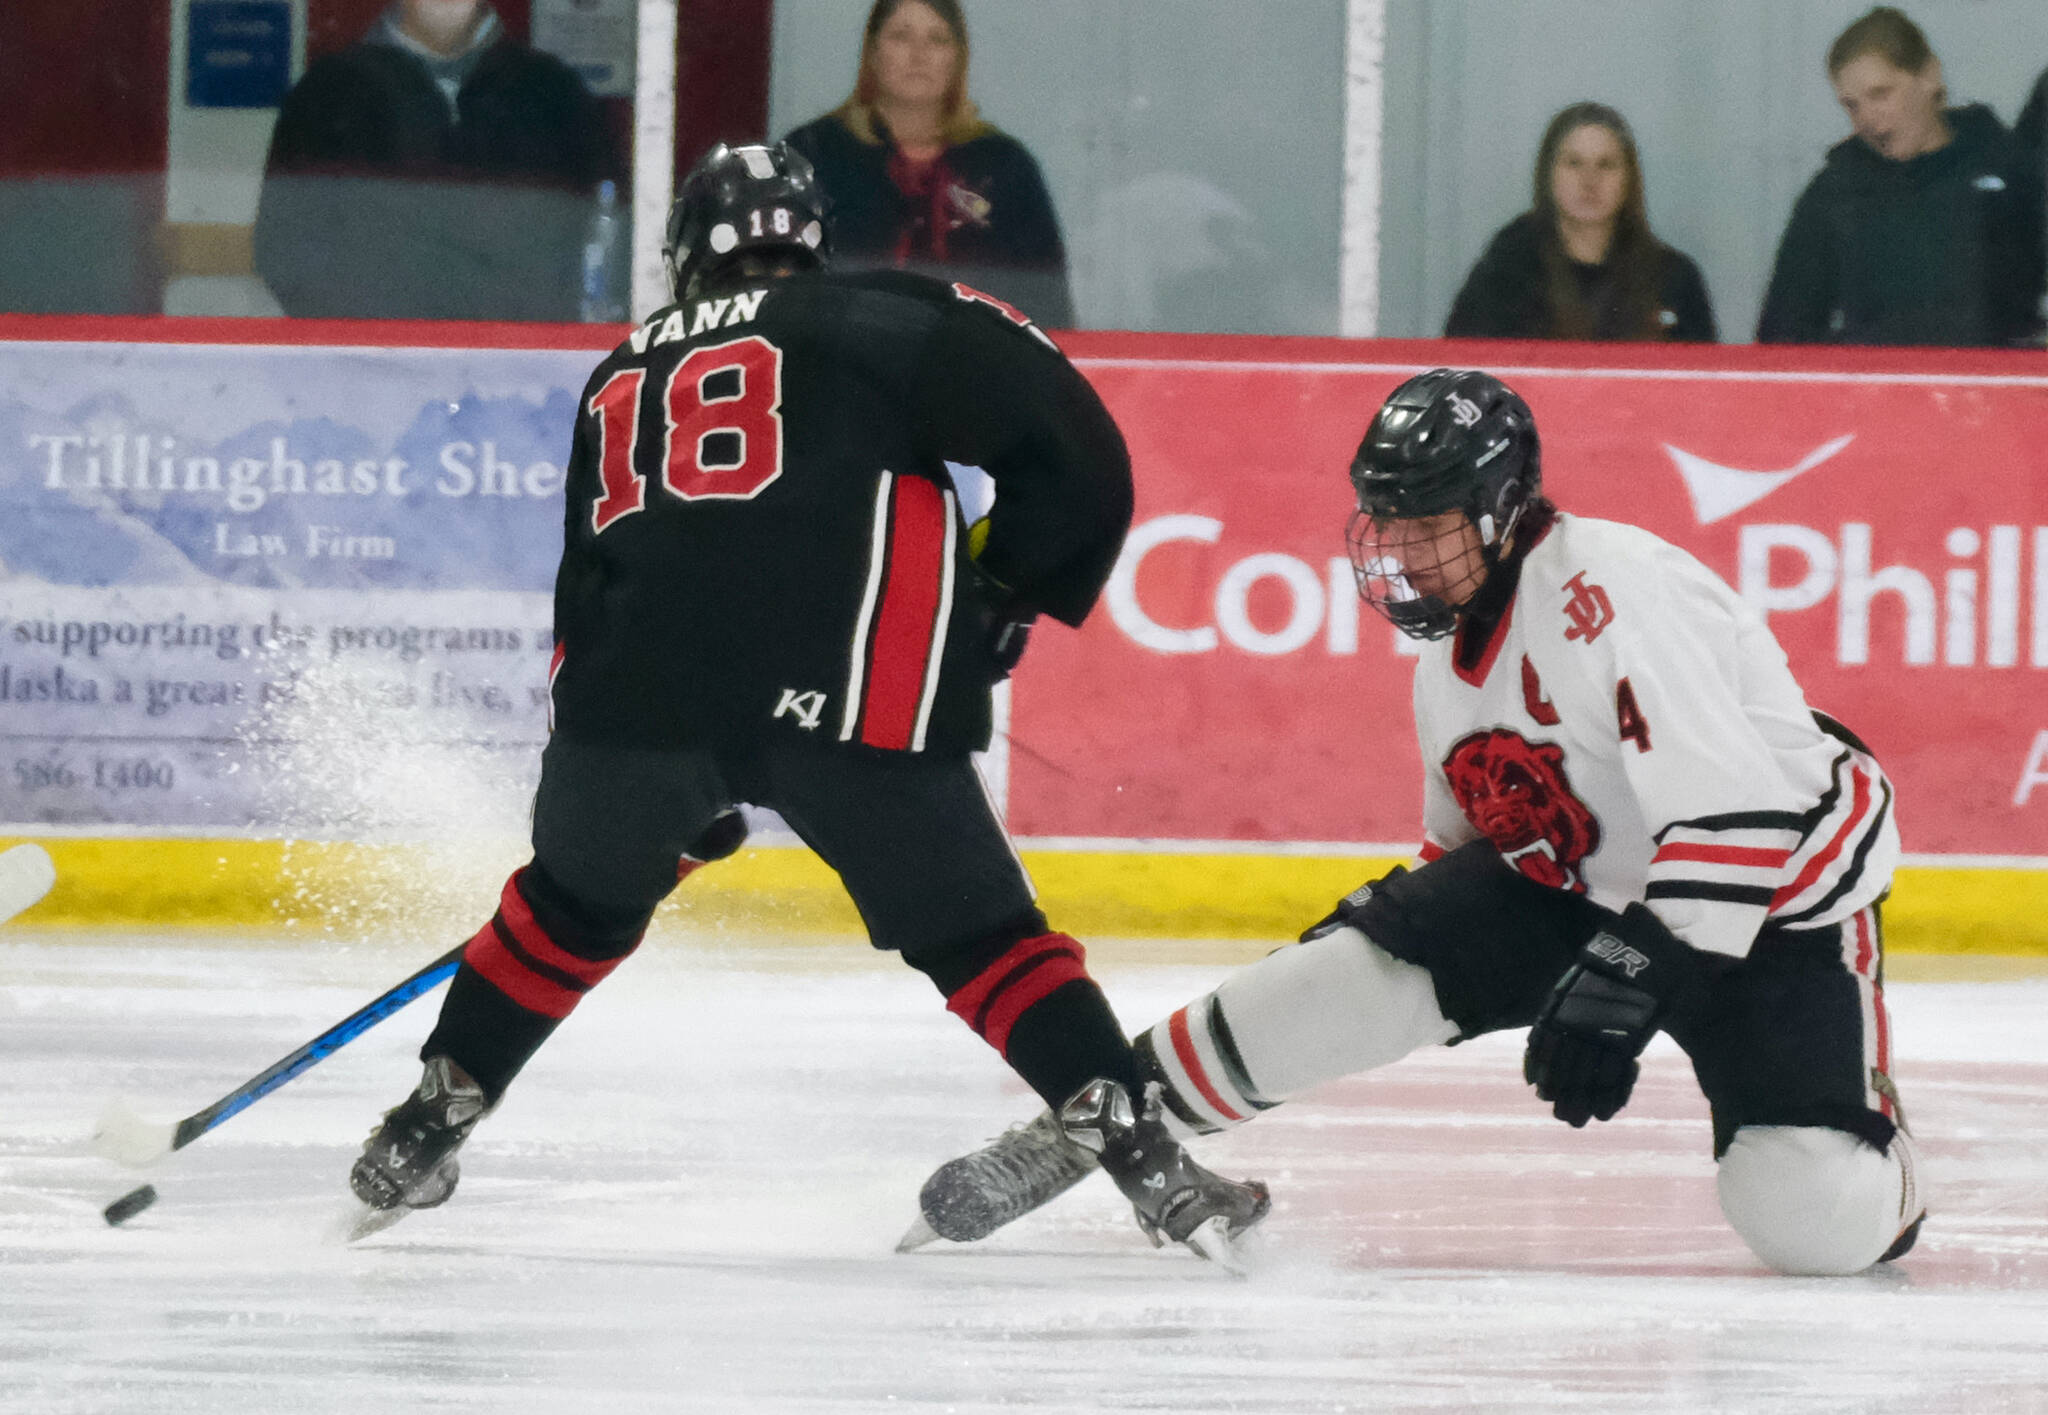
1382 573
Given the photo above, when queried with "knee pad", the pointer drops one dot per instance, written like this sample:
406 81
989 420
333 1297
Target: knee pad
1300 1016
1815 1202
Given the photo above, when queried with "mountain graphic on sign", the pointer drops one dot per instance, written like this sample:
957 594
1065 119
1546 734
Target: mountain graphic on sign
1719 491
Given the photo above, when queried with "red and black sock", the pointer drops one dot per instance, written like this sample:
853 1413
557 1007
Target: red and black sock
522 974
1032 1000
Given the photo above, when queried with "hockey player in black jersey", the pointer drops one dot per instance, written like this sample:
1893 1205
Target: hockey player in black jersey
767 596
1632 822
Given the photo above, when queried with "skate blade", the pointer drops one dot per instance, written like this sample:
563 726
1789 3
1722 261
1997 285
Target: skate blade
1212 1241
359 1221
918 1235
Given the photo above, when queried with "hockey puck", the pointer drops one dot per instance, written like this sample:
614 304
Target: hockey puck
129 1204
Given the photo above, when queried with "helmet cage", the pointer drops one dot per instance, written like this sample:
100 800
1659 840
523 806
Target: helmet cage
1446 441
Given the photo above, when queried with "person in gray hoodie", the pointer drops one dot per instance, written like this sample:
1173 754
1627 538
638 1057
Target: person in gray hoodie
1923 227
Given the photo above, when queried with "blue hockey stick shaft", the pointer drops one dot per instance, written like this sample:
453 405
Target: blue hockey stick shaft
312 1053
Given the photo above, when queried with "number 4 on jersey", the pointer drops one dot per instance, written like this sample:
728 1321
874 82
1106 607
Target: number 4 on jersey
1629 717
723 420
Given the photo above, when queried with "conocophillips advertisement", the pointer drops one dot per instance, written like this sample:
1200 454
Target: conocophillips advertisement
252 589
1889 512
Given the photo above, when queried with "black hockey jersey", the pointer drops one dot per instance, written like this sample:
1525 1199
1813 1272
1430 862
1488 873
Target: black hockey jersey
762 537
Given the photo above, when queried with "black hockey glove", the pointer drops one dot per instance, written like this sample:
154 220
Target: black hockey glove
1629 978
1007 640
1008 628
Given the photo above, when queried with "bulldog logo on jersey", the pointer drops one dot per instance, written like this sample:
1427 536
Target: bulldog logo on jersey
1515 793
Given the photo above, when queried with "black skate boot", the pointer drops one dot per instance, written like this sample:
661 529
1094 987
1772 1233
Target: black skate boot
1175 1198
971 1197
409 1161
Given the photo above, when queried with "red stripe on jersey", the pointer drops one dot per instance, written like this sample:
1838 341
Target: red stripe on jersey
1884 1046
529 935
1864 950
1859 809
1760 856
1430 851
1191 1062
906 621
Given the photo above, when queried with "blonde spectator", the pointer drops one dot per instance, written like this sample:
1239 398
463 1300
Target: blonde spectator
919 180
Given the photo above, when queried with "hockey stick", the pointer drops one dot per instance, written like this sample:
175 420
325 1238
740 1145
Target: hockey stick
26 875
127 1138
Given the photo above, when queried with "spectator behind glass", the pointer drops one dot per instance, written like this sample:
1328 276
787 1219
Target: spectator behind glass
1582 262
436 169
1923 227
2030 131
919 181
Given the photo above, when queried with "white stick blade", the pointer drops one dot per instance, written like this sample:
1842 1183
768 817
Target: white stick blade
26 874
126 1138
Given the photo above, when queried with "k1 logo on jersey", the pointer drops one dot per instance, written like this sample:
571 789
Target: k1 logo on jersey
1515 793
805 707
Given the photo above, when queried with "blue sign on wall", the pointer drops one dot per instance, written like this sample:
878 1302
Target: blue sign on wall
238 53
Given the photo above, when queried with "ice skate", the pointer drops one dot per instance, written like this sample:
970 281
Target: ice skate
409 1161
1021 1169
1174 1197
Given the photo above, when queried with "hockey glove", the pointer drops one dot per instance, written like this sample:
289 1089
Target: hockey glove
1628 978
1007 640
1008 631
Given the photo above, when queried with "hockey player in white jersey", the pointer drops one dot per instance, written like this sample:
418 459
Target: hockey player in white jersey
1632 822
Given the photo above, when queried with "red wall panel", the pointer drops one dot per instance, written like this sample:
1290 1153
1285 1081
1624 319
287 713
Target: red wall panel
86 87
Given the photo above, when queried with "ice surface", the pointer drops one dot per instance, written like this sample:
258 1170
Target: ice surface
689 1200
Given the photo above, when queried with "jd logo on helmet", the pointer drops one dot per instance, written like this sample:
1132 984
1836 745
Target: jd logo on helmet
1464 410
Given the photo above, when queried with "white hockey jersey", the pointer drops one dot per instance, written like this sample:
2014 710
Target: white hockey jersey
1632 731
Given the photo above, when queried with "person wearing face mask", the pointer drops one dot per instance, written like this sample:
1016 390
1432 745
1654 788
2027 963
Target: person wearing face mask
1582 262
436 169
920 181
1923 226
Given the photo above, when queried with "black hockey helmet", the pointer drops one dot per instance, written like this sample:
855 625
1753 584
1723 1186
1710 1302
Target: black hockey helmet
1450 440
740 200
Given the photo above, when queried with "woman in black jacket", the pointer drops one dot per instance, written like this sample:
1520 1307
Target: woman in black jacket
1582 263
1923 226
919 181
